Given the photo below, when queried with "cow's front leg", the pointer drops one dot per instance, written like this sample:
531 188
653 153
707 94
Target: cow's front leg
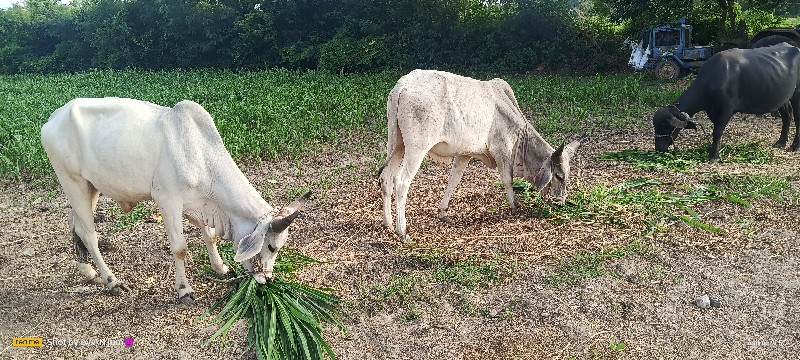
459 164
506 177
210 238
172 214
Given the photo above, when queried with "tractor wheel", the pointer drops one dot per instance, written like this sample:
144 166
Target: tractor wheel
668 69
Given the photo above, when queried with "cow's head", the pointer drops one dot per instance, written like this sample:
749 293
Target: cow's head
667 125
553 176
268 238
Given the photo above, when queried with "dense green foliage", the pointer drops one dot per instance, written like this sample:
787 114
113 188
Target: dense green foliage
339 36
354 35
281 112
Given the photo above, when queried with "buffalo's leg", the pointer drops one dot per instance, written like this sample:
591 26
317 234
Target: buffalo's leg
786 114
720 120
795 111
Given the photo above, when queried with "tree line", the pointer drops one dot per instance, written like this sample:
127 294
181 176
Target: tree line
353 35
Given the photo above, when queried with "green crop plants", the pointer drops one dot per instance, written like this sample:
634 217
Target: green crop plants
687 159
272 113
283 316
571 104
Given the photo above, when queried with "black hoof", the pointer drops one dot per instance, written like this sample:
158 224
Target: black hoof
794 147
446 220
779 145
188 298
118 289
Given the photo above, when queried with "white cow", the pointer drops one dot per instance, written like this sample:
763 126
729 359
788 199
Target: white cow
132 150
448 116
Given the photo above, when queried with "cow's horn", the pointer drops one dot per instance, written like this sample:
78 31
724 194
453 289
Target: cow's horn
278 225
678 123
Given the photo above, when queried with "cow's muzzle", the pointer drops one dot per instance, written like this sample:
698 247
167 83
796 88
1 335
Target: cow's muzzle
263 277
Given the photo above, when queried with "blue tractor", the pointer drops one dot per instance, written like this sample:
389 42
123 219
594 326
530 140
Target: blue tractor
668 50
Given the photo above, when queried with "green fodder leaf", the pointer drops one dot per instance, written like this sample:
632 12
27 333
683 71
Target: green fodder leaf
698 224
285 320
737 200
299 327
222 331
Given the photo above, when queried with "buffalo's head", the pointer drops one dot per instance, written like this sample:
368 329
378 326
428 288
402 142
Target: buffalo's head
667 125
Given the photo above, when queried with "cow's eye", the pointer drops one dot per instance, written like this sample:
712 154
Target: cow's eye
271 248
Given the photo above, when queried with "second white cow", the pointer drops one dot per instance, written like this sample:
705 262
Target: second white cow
447 116
132 150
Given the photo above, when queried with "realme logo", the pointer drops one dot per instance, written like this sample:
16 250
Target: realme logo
26 342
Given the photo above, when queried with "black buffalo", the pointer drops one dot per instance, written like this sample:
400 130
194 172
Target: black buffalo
750 81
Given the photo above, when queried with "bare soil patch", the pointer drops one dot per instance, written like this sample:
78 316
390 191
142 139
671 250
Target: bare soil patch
644 300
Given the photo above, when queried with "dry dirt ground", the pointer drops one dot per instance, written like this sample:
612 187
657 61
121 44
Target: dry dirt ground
642 305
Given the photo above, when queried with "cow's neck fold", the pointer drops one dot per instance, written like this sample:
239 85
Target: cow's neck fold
238 199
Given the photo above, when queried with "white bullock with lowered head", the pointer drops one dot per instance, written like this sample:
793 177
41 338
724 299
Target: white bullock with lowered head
132 150
447 116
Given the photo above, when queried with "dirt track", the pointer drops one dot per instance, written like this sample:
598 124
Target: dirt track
648 304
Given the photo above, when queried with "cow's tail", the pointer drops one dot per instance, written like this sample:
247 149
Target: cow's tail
394 140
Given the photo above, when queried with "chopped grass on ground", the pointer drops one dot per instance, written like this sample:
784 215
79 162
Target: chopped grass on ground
652 201
429 273
589 265
687 159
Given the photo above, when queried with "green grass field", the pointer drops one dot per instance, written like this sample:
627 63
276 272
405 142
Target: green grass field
269 113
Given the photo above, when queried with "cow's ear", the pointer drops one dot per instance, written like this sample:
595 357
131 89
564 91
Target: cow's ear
691 125
544 175
249 246
570 149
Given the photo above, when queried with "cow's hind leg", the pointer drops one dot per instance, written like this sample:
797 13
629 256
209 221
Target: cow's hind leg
786 116
82 254
82 197
411 163
459 164
172 213
387 177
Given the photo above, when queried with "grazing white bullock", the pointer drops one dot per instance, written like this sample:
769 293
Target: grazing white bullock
132 150
448 116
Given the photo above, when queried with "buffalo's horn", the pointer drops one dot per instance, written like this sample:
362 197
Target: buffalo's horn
278 225
678 123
